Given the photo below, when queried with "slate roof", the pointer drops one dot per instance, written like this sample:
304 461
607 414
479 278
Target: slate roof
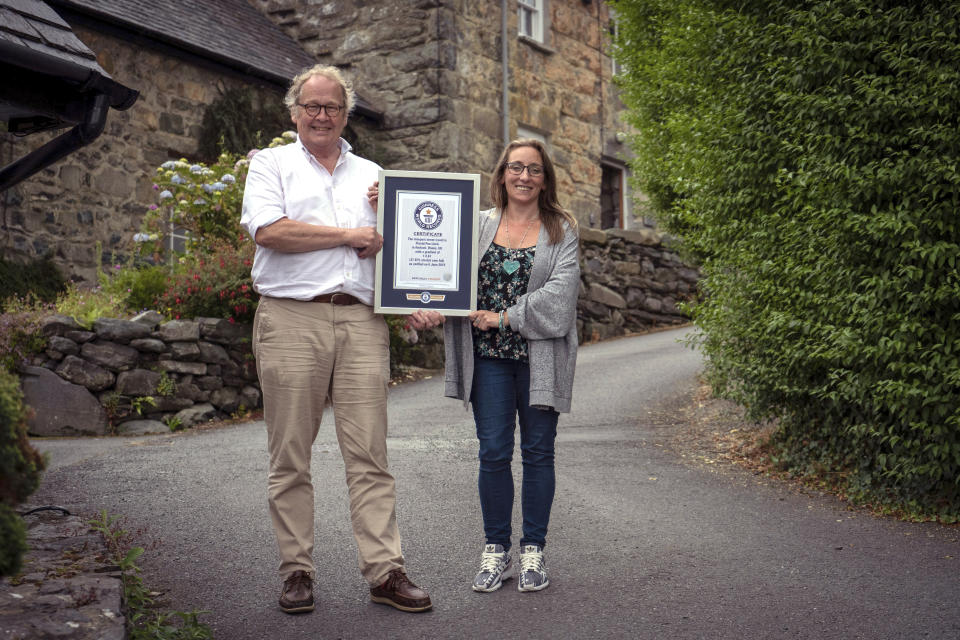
33 25
229 31
35 40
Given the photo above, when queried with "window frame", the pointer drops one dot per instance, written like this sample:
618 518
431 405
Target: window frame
539 26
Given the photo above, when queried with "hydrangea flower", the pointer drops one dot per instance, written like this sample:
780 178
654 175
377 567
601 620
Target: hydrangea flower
218 186
169 165
195 168
199 201
178 179
165 194
228 178
289 135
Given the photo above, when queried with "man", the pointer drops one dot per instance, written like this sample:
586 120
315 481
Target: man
315 335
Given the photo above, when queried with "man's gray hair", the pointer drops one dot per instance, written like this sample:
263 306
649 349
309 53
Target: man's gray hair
327 71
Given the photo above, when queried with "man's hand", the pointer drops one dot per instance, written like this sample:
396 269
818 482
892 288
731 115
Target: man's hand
373 195
421 319
365 240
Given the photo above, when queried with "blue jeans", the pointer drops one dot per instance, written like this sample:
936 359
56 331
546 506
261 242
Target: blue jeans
501 393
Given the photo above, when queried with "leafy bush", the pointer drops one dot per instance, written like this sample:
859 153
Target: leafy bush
20 332
214 285
807 153
139 287
87 304
40 278
20 469
234 122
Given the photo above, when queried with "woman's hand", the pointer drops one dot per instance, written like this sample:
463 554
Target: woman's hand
373 195
486 320
421 319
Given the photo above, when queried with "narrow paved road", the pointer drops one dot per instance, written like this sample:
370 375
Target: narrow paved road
640 545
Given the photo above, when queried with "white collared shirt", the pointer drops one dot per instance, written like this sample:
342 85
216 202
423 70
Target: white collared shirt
288 182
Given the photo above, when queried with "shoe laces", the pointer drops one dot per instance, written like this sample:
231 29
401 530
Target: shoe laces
490 561
531 561
297 579
395 579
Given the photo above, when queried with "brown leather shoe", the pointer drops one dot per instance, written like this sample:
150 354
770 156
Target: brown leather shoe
297 595
398 592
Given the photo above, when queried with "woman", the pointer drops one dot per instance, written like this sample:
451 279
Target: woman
515 356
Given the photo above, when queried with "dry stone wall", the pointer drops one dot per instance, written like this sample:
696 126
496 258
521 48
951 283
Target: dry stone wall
138 376
630 281
98 381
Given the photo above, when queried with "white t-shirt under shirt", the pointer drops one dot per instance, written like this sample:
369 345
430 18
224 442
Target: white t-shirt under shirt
288 182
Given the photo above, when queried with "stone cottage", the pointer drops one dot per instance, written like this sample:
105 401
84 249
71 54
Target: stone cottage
444 83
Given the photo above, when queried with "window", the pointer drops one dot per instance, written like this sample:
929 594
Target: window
531 19
611 197
617 68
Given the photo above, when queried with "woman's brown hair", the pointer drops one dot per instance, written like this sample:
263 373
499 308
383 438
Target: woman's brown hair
551 213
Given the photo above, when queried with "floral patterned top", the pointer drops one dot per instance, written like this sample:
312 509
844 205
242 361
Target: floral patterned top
496 291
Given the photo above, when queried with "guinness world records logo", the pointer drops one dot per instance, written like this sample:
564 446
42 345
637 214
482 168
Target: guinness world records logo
428 215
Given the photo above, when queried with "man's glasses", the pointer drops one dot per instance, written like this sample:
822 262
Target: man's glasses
313 110
533 170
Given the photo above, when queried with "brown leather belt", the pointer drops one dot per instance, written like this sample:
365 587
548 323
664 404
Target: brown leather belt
337 298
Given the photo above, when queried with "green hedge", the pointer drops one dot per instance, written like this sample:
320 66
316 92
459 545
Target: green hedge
40 277
20 469
807 153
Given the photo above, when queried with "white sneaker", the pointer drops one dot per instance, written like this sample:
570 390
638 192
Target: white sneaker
495 566
533 571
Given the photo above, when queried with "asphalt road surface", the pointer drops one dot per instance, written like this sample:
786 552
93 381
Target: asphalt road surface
641 544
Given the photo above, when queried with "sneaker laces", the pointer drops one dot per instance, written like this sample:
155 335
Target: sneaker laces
531 561
490 561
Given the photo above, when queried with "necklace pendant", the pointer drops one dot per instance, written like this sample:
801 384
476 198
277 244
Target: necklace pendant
510 266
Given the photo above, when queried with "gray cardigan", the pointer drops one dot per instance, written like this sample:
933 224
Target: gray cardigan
546 316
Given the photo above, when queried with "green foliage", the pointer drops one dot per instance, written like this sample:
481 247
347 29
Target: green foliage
807 154
201 202
145 622
234 123
138 286
20 332
13 541
213 285
40 278
88 304
20 469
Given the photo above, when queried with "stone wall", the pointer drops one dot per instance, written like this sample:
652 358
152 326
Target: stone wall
98 381
99 194
630 281
93 382
434 69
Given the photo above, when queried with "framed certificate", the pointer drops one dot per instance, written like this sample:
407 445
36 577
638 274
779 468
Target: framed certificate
428 221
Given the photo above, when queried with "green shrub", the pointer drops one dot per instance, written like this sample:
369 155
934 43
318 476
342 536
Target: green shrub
213 285
40 278
87 304
806 152
139 287
20 332
235 123
20 469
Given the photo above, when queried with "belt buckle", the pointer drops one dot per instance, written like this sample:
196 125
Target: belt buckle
345 296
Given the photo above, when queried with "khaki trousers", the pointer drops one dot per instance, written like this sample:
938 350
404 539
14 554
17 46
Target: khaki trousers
306 351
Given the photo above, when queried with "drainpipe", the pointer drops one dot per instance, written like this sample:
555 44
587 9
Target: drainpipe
504 55
83 134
